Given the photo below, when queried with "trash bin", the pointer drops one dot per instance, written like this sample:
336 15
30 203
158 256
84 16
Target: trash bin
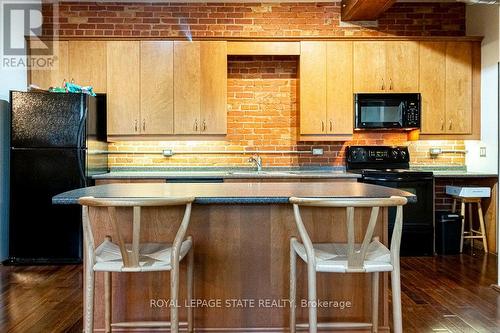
448 229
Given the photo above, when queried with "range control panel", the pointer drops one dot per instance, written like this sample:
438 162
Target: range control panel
377 157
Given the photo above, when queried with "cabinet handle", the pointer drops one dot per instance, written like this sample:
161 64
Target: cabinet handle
136 125
196 125
383 84
442 125
204 126
322 126
331 126
144 124
451 125
390 84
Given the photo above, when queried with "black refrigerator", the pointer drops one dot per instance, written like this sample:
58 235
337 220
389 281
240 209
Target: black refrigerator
58 141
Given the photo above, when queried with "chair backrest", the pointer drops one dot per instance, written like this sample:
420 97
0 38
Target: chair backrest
355 256
131 258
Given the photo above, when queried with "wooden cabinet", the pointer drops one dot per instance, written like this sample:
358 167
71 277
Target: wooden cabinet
313 88
87 64
326 101
446 70
369 67
339 93
123 91
56 53
200 87
458 87
156 87
386 66
433 87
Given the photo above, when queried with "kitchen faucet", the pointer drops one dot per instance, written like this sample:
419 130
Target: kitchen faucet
257 161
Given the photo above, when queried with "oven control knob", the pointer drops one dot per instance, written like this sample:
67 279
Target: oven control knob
403 154
395 154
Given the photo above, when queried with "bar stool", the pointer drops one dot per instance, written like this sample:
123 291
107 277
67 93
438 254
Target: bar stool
110 257
471 233
370 256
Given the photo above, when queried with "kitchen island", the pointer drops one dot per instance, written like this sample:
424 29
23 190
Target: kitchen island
241 235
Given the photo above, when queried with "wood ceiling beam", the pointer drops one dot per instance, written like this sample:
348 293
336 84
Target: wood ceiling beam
364 10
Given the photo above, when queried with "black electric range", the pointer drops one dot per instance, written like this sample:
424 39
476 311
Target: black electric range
390 166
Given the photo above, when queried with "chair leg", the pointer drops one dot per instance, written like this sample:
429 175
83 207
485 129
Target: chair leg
311 296
396 300
454 206
462 213
471 223
88 320
107 302
190 287
293 286
482 226
375 295
174 296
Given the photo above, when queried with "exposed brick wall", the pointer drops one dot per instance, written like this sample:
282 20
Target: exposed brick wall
263 114
246 19
262 91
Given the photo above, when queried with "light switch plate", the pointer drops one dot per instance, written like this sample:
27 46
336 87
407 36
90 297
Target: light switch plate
482 151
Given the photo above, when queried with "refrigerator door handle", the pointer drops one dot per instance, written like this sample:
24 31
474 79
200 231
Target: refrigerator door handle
83 120
81 166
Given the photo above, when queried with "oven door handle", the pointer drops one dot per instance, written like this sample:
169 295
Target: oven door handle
399 179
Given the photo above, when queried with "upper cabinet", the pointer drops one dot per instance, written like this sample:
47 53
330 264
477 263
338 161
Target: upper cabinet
123 91
386 66
58 73
157 87
87 64
200 87
326 101
446 85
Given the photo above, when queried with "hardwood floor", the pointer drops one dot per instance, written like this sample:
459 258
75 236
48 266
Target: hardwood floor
440 294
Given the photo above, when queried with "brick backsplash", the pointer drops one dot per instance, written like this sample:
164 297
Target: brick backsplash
246 19
263 115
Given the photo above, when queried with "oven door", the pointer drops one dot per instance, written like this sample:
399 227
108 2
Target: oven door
379 111
418 218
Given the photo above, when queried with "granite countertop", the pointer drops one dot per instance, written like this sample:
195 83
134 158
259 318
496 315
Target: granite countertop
442 171
234 193
224 173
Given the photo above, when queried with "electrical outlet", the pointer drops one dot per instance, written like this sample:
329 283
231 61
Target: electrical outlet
317 151
482 151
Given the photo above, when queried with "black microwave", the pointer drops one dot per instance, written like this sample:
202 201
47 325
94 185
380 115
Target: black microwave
387 111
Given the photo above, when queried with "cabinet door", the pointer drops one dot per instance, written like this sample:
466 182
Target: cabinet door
458 87
432 86
157 87
313 88
56 75
187 87
123 87
370 67
402 66
339 101
213 85
87 64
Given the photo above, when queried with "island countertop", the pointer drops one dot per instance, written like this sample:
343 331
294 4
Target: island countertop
234 193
